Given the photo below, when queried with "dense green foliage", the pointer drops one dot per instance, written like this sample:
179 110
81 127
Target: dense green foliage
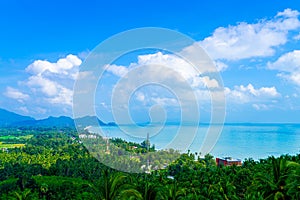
128 156
53 164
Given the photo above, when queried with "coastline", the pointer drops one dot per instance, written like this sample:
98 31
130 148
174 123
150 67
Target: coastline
256 141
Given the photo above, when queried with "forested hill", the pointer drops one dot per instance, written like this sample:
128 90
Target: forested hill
10 119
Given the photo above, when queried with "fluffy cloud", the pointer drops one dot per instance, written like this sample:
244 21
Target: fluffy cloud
140 96
261 106
119 71
165 101
221 66
155 99
178 65
44 85
289 66
63 97
297 37
50 83
245 94
24 109
54 81
175 63
16 94
251 40
205 81
65 66
172 74
52 91
288 13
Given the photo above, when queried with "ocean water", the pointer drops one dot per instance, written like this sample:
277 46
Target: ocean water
236 140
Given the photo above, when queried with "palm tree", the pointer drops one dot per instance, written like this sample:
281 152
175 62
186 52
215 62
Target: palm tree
293 187
173 192
149 186
150 192
24 195
277 184
254 195
113 185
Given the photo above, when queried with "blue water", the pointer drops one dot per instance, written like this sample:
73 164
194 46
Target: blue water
236 140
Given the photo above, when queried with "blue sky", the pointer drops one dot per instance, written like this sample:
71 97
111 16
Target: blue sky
256 43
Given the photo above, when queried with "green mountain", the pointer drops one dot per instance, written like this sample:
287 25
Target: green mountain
7 118
12 119
61 121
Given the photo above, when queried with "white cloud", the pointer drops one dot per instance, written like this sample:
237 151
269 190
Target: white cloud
170 72
104 105
50 90
261 106
16 94
40 110
119 71
164 101
140 96
184 70
173 62
84 74
196 55
51 85
64 66
297 37
24 109
246 40
288 13
41 84
244 94
289 66
221 66
205 81
53 82
63 97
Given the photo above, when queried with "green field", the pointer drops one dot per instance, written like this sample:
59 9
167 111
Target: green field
10 141
11 137
11 145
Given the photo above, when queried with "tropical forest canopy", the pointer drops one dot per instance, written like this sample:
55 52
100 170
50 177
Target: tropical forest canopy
52 163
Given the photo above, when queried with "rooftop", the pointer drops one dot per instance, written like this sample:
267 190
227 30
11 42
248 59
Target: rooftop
231 159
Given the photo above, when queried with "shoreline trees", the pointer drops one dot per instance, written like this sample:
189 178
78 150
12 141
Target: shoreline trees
54 165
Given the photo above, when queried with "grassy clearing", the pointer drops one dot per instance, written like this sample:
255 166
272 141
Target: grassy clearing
11 137
8 146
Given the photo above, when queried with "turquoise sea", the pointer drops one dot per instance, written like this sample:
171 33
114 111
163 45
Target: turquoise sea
236 140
